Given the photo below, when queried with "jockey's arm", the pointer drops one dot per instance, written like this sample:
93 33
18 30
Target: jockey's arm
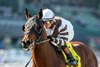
61 39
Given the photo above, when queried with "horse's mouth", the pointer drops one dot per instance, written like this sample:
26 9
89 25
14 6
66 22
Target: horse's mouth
26 49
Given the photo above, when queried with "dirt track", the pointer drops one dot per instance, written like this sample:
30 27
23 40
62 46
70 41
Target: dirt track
22 62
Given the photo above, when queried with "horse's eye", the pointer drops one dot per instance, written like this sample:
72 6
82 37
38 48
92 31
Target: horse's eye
23 28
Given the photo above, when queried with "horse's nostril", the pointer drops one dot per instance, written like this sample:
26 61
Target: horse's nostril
28 42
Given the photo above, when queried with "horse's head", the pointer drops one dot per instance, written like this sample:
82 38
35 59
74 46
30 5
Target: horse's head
32 30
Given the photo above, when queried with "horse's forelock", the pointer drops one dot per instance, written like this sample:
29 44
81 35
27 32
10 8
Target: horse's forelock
30 22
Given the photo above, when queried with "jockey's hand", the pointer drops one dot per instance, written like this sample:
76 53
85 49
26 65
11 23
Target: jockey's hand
50 37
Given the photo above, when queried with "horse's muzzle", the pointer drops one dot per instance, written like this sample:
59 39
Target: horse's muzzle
26 44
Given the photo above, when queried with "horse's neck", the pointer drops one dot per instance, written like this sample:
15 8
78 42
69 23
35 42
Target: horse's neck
45 56
42 55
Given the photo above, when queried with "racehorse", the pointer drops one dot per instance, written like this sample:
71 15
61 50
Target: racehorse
43 54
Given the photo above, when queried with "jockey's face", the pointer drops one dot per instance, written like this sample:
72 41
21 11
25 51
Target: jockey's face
48 24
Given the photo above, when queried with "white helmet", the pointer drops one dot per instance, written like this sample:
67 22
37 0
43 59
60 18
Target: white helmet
47 15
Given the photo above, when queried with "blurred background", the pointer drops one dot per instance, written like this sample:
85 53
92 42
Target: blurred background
83 14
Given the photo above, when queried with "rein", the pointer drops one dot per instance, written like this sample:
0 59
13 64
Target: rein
28 62
37 42
42 41
31 48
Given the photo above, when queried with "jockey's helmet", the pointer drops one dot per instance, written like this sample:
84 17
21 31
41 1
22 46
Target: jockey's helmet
47 15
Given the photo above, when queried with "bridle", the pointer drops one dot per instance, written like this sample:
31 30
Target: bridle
39 34
39 40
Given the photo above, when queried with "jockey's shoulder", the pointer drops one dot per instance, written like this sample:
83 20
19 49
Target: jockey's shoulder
63 20
60 18
57 18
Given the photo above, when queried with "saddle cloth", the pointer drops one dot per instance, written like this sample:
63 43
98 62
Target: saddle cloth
75 55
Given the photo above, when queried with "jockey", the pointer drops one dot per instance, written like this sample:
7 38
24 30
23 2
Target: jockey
59 31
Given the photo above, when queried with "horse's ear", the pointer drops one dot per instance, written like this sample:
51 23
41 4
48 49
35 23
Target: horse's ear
27 14
40 14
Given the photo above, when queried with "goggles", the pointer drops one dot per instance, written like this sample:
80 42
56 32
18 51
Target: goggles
47 19
48 22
